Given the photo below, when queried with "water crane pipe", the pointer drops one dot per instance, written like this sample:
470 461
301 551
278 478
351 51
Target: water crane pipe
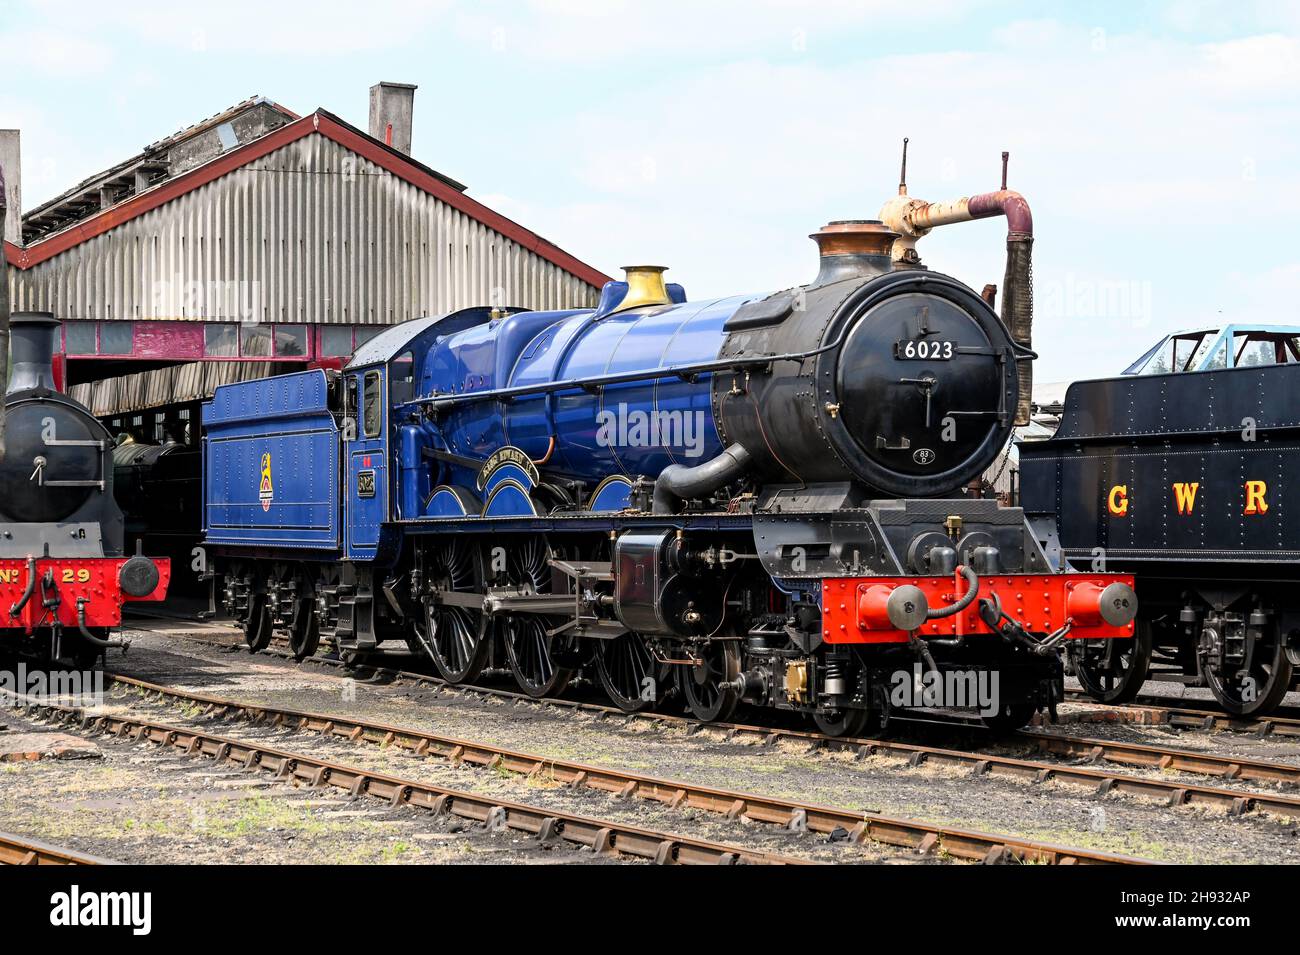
913 218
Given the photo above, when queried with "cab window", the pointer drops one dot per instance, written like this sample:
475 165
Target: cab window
372 407
1264 348
350 403
401 378
1180 353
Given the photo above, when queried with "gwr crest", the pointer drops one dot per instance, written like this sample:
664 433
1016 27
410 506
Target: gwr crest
266 491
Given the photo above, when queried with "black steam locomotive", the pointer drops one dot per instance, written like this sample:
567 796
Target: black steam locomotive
1186 479
63 572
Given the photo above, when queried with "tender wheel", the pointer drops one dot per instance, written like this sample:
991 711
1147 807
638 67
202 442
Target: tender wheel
1113 671
624 665
1011 717
1247 675
533 655
304 629
257 625
702 684
454 637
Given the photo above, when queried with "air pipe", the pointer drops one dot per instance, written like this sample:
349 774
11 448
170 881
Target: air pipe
17 608
913 218
90 638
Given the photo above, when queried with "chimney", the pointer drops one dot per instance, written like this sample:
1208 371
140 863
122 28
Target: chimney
853 248
32 344
9 163
391 105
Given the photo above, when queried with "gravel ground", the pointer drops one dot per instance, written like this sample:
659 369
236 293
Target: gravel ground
136 804
535 791
1049 811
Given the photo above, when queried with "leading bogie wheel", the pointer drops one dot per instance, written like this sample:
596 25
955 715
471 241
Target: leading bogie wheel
1113 670
707 684
848 722
633 679
1010 717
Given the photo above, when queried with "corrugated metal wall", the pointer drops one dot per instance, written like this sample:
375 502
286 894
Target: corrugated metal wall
164 386
309 233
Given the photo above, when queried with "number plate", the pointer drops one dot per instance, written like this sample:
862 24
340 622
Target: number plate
365 484
924 349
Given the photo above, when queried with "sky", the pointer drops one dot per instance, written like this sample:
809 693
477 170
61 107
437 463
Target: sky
1157 143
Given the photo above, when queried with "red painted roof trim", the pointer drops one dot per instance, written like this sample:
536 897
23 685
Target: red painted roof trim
333 129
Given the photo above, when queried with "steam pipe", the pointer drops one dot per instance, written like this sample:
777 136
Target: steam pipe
677 483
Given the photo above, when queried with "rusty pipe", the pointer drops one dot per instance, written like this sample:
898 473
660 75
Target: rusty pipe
1004 202
912 218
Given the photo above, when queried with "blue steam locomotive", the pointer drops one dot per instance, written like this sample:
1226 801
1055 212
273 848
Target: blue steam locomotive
742 499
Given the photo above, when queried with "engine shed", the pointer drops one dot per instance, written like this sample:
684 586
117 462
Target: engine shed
255 243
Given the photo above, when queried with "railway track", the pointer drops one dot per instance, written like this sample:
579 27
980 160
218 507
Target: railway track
20 850
1165 758
604 837
858 827
1173 793
1099 781
1176 713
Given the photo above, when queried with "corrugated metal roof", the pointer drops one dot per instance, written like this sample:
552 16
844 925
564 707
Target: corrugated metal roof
313 222
311 232
400 166
171 156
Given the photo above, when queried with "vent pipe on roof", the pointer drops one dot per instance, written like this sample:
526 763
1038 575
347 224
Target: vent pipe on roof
391 105
4 304
9 162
